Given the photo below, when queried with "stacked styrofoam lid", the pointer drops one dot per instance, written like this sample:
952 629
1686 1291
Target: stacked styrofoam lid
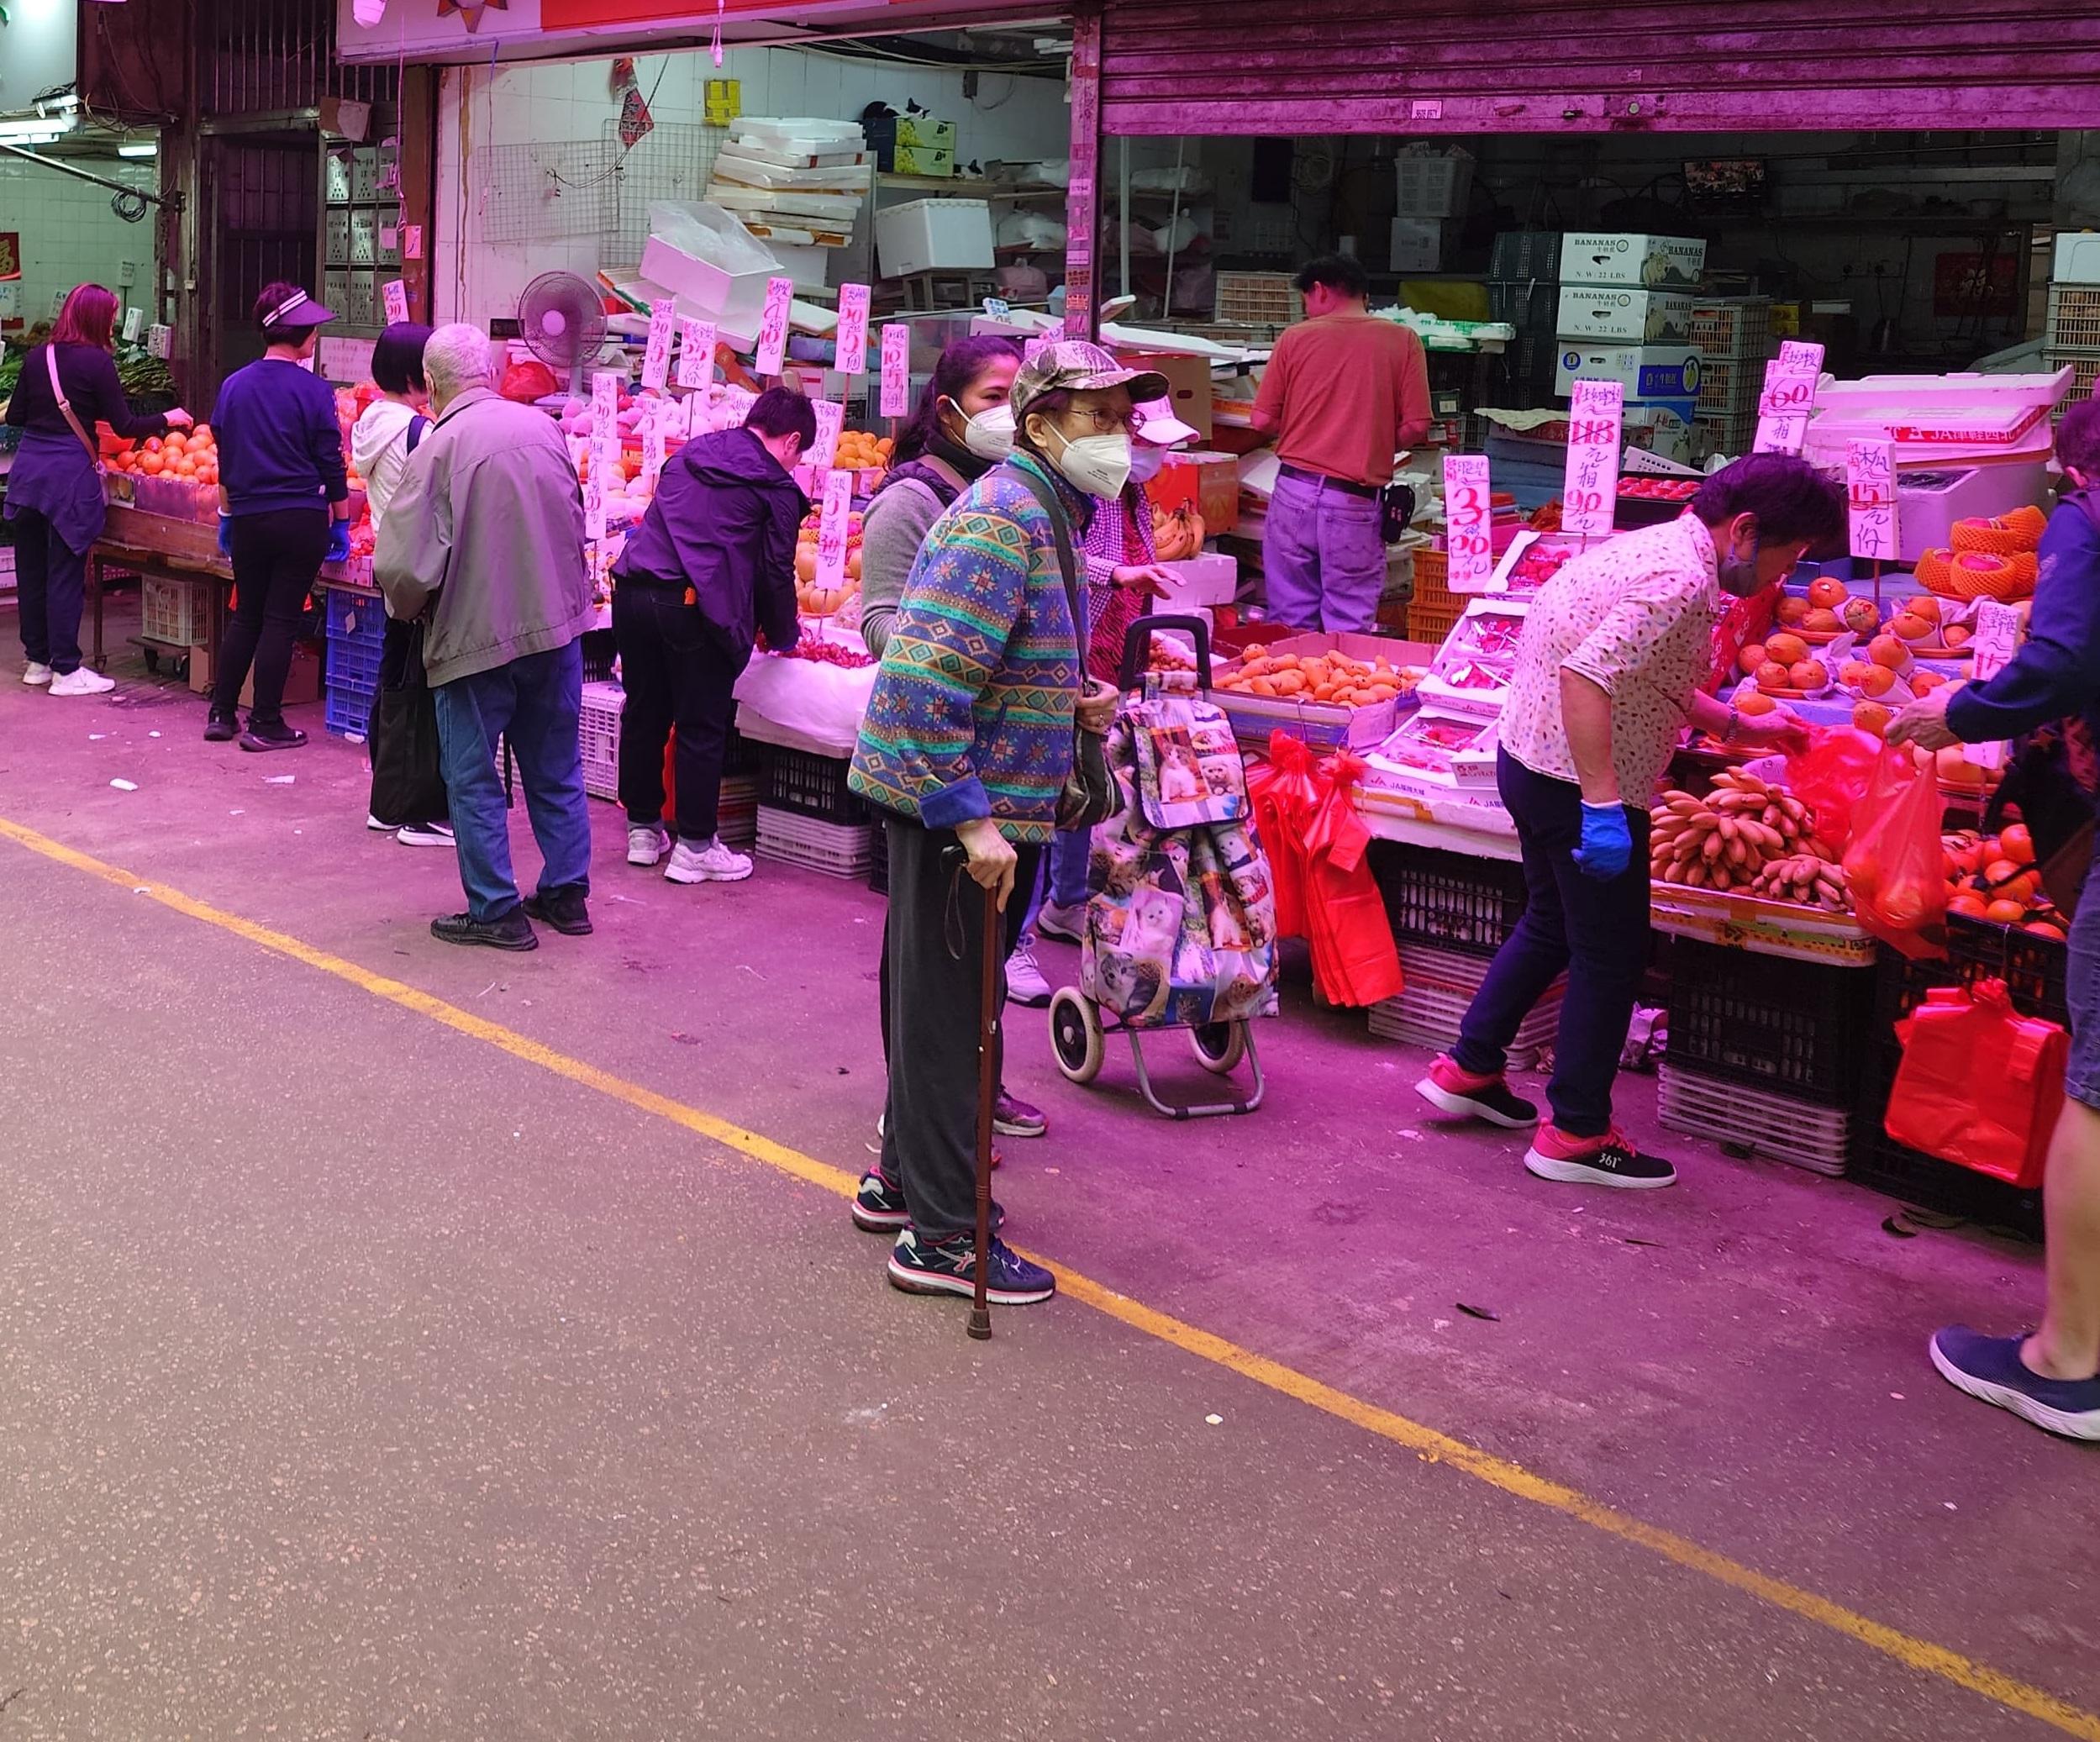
799 181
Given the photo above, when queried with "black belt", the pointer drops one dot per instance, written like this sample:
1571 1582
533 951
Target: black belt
1321 478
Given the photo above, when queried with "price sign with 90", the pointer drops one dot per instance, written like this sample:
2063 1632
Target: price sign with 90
1597 413
1469 542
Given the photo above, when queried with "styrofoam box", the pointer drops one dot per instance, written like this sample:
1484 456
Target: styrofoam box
1208 579
1628 257
933 235
1418 245
1647 371
738 298
1593 312
2077 258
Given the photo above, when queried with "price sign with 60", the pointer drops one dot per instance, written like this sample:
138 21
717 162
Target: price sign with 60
1468 541
1597 412
1791 380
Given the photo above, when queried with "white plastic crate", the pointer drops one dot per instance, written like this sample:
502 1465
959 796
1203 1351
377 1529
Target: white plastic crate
1766 1124
1431 185
600 734
1734 328
173 612
1439 984
839 850
1257 299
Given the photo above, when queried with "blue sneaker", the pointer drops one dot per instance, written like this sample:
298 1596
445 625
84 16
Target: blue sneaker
1991 1368
923 1267
879 1207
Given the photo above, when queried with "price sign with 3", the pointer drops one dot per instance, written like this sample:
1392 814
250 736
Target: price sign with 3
833 528
1469 540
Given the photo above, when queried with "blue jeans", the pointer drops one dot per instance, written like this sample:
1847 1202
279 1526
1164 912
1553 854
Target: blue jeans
2081 1076
1064 878
1322 557
535 703
1597 930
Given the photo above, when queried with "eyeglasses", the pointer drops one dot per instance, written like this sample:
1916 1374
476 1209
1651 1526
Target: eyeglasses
1106 423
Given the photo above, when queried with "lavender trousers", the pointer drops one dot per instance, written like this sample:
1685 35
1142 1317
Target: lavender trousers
1322 558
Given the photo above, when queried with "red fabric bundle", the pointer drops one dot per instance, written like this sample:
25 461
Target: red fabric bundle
1979 1084
1285 797
1354 960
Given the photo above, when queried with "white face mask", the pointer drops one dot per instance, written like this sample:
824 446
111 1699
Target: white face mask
989 433
1146 461
1099 464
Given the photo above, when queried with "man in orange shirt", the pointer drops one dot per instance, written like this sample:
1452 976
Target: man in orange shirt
1344 392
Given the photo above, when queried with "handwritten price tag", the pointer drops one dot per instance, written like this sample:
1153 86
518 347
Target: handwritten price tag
1870 485
1597 412
656 357
653 421
1469 539
695 353
853 329
772 327
1996 640
831 419
393 298
593 507
159 341
605 400
896 371
832 528
1783 409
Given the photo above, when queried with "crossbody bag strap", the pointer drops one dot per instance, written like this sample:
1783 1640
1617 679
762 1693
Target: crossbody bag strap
1050 506
66 406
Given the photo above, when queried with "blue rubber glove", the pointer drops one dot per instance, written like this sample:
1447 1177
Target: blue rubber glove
1607 843
338 541
226 535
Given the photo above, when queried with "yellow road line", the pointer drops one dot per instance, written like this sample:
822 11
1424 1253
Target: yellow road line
1511 1478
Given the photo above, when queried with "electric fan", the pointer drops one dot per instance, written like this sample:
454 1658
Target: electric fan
562 321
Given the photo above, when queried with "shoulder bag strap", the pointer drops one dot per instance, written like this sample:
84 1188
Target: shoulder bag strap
65 405
1048 498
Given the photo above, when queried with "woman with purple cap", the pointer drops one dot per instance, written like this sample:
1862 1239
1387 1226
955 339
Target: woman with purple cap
284 510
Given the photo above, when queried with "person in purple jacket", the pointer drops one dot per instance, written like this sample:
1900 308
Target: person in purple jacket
712 564
2052 1378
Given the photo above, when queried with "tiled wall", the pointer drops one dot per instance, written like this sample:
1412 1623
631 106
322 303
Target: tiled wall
1010 118
69 233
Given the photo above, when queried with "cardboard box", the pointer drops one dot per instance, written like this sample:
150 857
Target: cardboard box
1647 371
1631 258
1211 579
1602 313
1208 483
1187 384
933 236
924 160
301 684
1416 245
1322 723
925 131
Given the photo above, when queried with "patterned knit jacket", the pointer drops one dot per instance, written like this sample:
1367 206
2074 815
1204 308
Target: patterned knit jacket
972 710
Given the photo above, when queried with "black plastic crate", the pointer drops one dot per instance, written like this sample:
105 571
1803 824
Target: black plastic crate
600 651
739 757
809 786
1770 1021
1945 1188
879 862
1451 900
2035 969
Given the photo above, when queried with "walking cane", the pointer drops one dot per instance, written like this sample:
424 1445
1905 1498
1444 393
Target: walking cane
987 1094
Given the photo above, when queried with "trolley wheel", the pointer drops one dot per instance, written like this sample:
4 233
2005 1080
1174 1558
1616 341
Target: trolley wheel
1219 1046
1077 1035
153 661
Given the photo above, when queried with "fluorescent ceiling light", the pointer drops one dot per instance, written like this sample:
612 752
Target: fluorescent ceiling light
149 149
51 136
35 130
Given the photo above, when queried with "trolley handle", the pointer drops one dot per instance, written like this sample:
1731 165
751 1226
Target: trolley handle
1137 648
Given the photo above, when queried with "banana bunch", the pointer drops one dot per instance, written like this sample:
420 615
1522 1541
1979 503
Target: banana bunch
1727 839
1807 878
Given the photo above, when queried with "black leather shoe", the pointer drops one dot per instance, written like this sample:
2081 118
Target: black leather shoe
221 727
279 737
513 931
564 910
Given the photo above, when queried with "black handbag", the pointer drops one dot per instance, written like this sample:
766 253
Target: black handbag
407 772
1089 796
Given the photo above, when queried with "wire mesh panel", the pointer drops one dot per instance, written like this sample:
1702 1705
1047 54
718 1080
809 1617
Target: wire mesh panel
671 162
537 193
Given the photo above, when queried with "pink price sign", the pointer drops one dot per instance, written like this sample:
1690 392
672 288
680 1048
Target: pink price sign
658 414
656 357
896 371
1869 488
394 296
695 353
1996 639
593 507
1469 536
853 329
1597 412
831 419
772 326
1789 397
832 528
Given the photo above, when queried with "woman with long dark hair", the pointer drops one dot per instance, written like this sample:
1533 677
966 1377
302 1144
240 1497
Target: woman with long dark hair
284 505
54 498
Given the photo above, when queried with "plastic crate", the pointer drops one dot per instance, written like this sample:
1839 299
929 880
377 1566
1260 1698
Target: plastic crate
838 849
357 617
1430 185
1733 330
173 612
736 815
2085 367
1438 988
1432 622
1452 901
2074 319
1767 1122
1257 299
355 664
739 757
599 735
879 860
1882 1164
809 786
2035 969
1731 433
1794 1027
1525 257
1727 388
347 710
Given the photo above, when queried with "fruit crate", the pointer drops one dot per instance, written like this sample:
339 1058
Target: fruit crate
347 710
1727 388
2035 969
2085 367
838 849
807 785
736 816
1734 433
172 613
1733 330
1450 900
2074 319
354 664
1768 1121
1257 299
599 735
1430 622
347 616
1438 988
1793 1028
879 860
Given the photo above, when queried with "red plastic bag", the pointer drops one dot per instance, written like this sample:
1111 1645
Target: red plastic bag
1895 865
1980 1085
1831 776
528 381
1285 798
1356 962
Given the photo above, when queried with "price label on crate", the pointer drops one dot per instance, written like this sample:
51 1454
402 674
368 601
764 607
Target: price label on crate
656 418
1870 485
695 353
831 419
656 355
1995 639
772 326
897 371
834 527
159 340
853 329
135 323
593 507
1596 413
1468 537
393 298
1791 379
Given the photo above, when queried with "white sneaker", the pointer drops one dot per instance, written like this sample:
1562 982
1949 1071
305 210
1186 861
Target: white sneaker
372 823
82 681
425 834
35 674
714 863
1024 981
646 846
1068 925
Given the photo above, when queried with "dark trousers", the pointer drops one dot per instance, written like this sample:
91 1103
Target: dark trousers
1596 930
50 580
275 559
676 672
933 962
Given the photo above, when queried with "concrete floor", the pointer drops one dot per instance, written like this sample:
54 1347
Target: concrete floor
360 1378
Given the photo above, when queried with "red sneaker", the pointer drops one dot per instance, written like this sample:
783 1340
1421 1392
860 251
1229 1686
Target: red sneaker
1608 1160
1451 1090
